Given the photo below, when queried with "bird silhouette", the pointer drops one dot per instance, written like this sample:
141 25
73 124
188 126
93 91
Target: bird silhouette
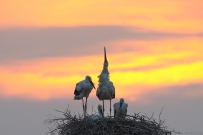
120 109
106 89
95 116
83 89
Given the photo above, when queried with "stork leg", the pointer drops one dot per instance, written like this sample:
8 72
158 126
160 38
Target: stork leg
103 106
83 107
86 106
110 107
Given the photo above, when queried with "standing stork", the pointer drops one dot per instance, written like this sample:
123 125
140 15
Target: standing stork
106 89
83 89
120 109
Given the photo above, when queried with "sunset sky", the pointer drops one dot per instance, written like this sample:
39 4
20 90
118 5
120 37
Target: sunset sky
154 49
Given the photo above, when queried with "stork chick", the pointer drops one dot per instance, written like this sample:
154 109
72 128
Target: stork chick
120 109
95 116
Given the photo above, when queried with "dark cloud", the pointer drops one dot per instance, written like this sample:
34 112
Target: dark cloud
181 112
67 41
199 35
189 87
188 91
24 117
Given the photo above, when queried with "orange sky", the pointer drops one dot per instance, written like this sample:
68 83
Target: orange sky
154 50
152 68
159 63
175 16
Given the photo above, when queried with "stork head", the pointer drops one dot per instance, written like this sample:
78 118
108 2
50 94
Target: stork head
121 102
100 110
89 79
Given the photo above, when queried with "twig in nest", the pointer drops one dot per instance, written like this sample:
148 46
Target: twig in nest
136 125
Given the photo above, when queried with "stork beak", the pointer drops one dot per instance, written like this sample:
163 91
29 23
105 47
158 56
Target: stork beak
105 58
92 84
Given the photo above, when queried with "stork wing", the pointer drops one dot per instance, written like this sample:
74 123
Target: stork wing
78 89
98 92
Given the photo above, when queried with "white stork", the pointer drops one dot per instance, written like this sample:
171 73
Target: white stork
83 89
120 109
106 89
95 116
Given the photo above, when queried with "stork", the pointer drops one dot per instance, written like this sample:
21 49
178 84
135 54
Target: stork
106 89
83 89
95 116
120 109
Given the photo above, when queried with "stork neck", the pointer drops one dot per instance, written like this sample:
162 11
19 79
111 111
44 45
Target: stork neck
121 103
103 83
101 114
86 81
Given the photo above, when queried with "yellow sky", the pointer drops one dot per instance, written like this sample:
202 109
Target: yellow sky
159 63
45 78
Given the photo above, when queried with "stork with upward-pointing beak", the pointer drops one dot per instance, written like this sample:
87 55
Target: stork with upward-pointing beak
106 89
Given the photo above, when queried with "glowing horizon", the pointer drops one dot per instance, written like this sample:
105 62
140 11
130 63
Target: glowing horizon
150 45
154 49
49 78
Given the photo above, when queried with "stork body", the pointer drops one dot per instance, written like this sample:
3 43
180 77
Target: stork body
83 89
95 116
106 89
120 109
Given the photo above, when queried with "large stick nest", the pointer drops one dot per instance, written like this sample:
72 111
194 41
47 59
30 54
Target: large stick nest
132 125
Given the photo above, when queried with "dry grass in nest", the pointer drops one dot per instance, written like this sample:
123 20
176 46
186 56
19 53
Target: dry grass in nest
131 125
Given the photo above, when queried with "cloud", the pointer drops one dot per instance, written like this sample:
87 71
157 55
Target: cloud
186 91
68 41
56 78
148 96
26 117
144 62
